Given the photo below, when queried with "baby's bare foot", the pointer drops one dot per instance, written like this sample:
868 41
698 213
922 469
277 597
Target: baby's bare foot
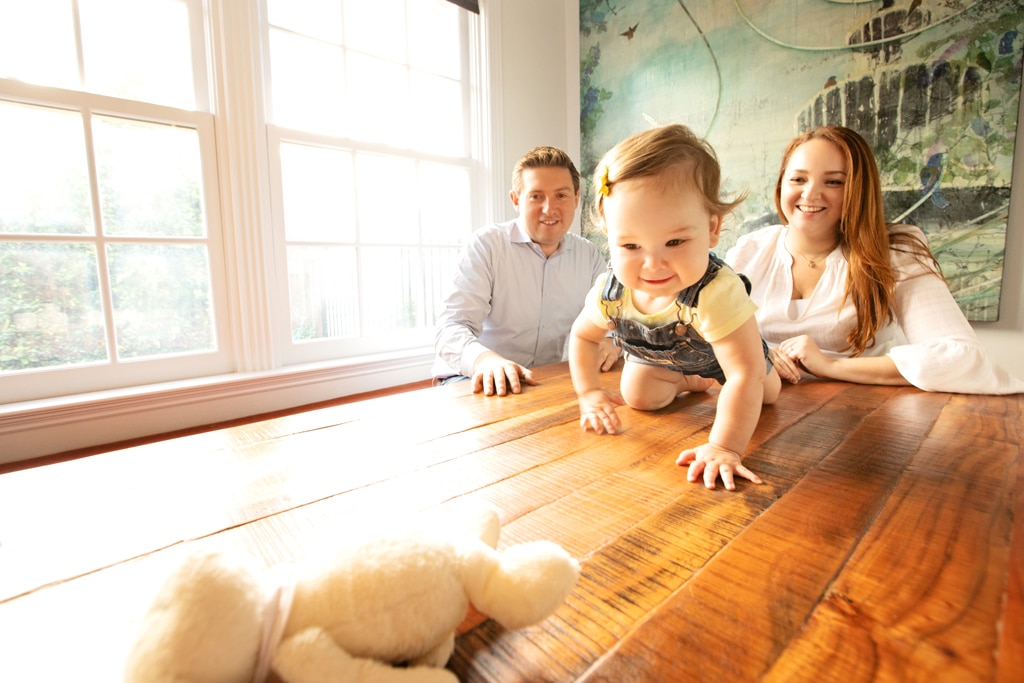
695 383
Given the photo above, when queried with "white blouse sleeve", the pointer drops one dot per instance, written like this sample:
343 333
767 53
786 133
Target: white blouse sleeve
943 353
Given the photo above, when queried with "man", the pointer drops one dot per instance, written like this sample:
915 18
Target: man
520 284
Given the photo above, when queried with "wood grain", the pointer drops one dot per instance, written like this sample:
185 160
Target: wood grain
885 544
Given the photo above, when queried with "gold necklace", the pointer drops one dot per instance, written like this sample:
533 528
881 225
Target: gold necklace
812 263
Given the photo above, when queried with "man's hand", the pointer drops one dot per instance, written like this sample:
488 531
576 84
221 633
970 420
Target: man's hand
493 374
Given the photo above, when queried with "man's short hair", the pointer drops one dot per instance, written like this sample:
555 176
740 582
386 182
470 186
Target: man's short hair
544 157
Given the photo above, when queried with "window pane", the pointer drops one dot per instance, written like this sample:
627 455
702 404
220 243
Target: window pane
44 180
437 125
149 177
308 84
162 300
379 100
37 43
376 27
385 194
315 18
445 203
434 43
392 289
155 33
323 292
318 204
50 313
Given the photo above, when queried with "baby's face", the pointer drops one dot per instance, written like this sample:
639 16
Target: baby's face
659 239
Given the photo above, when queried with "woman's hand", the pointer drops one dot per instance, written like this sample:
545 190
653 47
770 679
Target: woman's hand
798 355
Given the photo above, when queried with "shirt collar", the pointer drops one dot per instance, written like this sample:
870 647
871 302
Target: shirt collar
518 236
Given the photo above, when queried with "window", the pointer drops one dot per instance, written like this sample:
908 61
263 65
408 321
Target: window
370 145
109 239
125 243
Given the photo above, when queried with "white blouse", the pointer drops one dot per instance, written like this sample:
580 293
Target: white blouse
931 342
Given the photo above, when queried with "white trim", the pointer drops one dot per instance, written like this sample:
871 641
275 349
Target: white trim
46 427
491 85
244 178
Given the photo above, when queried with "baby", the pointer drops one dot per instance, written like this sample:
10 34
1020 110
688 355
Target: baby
683 317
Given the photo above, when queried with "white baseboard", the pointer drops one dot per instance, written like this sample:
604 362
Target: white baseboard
40 428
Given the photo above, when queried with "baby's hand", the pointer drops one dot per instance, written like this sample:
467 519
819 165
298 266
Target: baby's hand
714 461
597 411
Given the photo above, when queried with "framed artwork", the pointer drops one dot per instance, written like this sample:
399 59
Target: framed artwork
933 85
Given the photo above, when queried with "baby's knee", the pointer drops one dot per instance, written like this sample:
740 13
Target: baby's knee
646 398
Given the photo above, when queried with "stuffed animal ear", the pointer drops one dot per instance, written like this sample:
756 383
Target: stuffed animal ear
522 585
204 624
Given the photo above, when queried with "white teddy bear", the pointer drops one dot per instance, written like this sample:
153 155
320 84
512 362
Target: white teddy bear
382 610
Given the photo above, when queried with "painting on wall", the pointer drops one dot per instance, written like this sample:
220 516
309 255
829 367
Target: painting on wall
933 85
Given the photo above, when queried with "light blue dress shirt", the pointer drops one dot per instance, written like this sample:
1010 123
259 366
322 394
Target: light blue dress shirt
509 298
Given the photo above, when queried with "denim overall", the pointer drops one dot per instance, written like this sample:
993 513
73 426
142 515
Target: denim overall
676 346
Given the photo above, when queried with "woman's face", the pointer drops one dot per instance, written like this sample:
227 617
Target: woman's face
813 185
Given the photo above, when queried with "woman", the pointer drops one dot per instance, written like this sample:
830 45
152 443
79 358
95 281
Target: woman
842 294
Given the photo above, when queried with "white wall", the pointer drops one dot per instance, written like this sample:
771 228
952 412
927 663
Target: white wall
1005 339
538 70
540 91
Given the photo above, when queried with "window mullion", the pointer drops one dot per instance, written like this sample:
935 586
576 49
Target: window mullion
200 50
76 18
102 270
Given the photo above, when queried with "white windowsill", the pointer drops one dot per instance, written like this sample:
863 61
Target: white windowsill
46 427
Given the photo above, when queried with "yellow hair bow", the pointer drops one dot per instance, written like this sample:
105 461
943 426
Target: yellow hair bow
604 189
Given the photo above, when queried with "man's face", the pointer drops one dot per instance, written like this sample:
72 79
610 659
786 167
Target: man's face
546 206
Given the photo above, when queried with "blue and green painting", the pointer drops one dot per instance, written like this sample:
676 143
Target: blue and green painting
933 85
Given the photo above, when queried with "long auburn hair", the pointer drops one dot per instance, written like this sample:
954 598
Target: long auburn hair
864 236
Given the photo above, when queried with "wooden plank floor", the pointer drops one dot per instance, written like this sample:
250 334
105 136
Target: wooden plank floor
885 544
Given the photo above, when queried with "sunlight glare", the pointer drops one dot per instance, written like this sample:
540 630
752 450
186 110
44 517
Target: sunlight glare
155 33
37 43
